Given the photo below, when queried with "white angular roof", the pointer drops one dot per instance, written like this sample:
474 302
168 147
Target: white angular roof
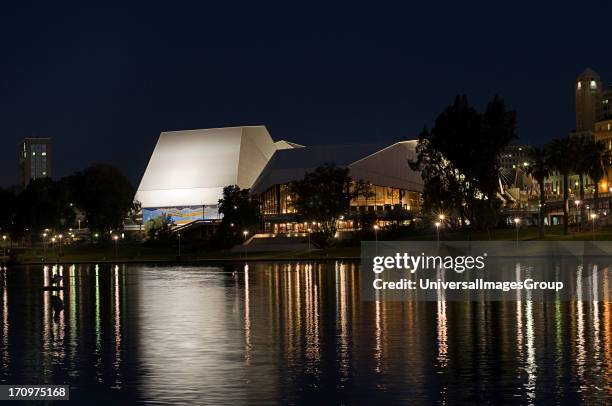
379 164
190 168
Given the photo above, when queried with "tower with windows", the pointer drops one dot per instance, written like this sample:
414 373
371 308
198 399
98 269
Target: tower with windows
588 88
34 158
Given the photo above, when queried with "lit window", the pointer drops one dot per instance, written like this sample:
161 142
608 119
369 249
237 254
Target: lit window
579 85
593 84
33 153
44 173
44 154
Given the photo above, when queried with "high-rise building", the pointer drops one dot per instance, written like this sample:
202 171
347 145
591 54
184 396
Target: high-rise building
588 89
34 157
513 157
606 104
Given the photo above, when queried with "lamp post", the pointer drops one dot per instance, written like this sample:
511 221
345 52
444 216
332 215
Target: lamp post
246 253
437 224
44 245
593 217
3 246
577 203
179 247
376 227
116 239
517 221
60 244
309 230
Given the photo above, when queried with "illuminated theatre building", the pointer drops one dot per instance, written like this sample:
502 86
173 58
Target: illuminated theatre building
188 170
395 188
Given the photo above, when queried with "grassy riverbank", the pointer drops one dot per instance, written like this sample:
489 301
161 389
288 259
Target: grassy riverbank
135 252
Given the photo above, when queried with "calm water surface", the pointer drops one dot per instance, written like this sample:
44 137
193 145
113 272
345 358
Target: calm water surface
291 333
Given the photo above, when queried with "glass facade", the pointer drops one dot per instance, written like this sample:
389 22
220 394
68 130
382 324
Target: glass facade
382 201
385 198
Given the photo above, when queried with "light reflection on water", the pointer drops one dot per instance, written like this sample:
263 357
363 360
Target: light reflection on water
294 333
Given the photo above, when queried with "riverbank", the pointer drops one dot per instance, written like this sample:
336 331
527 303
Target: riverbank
132 252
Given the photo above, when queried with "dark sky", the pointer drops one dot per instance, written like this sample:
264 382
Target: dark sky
104 81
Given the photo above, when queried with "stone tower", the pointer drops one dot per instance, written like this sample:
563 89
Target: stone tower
588 100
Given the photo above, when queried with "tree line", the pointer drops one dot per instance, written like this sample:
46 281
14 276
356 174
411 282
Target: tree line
101 192
572 155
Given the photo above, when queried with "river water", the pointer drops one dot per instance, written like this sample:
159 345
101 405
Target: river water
290 333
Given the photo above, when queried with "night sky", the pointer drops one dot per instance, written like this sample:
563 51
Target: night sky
104 81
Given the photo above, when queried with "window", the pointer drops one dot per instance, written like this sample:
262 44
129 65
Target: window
579 85
593 84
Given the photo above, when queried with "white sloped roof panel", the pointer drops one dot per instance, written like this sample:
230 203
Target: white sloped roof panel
192 167
390 167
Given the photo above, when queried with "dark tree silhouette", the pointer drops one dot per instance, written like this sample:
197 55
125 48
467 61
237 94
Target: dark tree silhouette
459 162
539 169
105 195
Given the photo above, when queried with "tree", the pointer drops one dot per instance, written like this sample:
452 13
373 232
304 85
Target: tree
560 151
581 148
324 195
43 204
159 229
599 161
239 209
240 213
8 205
105 195
539 169
458 159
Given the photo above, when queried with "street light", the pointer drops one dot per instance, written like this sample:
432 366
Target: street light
309 230
60 244
437 224
116 239
376 236
179 241
246 253
577 203
44 245
593 217
517 221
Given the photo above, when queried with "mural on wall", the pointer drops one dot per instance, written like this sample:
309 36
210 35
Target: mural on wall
182 215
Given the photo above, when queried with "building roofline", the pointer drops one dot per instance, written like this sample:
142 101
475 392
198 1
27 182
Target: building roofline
381 150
